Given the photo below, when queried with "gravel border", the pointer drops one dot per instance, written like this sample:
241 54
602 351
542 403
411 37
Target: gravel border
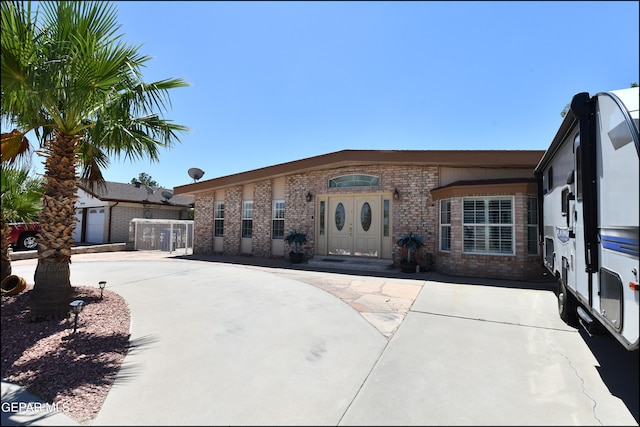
73 371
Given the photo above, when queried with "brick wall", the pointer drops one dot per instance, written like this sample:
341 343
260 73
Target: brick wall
232 220
298 213
203 223
520 266
415 211
262 214
123 213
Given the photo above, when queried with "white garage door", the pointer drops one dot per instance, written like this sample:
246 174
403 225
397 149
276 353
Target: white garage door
95 225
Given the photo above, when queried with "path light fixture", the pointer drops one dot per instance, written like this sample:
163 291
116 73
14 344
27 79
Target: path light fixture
76 308
309 196
102 284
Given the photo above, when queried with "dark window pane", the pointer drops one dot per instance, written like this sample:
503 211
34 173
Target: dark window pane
218 228
340 216
365 217
278 229
247 226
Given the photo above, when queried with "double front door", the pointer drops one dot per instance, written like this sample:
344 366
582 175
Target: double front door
354 225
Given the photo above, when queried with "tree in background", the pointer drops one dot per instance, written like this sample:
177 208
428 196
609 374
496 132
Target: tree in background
21 202
145 179
68 76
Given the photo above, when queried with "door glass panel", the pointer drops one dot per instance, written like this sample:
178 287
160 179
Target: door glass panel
322 218
365 216
386 218
340 216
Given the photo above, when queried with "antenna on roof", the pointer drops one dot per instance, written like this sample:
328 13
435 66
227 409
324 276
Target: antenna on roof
150 190
195 173
167 194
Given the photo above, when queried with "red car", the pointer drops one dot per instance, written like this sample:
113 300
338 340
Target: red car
24 235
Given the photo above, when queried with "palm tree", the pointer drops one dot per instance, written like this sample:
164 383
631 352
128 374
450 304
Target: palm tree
21 202
68 76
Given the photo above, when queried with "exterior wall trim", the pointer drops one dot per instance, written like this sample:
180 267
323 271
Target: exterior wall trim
488 189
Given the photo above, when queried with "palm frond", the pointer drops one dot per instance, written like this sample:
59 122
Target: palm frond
21 194
14 146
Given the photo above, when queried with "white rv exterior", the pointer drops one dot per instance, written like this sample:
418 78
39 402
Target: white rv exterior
588 188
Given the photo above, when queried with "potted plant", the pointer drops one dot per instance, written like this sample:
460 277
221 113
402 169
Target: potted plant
410 242
297 239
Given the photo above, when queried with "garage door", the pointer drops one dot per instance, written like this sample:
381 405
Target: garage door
95 225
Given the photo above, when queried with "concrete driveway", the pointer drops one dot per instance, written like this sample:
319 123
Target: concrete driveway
230 344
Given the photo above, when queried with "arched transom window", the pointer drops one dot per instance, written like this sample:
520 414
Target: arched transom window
355 180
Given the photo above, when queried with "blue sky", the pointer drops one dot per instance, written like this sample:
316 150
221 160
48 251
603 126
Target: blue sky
273 82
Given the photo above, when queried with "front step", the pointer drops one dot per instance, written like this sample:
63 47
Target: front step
351 263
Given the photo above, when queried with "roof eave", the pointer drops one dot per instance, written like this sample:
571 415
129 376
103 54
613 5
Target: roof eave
452 158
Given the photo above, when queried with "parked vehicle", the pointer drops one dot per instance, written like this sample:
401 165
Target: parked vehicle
24 235
588 188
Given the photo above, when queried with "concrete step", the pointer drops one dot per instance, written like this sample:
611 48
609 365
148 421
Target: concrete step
351 263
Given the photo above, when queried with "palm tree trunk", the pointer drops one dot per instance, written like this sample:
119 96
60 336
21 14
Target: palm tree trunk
5 259
52 291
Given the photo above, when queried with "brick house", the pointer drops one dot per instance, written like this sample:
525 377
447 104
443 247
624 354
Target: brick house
104 213
476 209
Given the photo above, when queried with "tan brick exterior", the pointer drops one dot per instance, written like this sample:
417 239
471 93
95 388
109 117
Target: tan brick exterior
422 178
203 223
521 266
262 214
416 211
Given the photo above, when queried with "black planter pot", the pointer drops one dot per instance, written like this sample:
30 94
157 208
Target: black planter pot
296 258
408 267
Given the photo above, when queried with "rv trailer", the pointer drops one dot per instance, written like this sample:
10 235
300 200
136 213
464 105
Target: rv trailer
588 192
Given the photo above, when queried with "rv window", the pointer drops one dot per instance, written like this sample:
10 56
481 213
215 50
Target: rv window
578 172
548 252
565 201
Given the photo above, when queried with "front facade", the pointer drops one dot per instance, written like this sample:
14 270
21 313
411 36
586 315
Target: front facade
476 210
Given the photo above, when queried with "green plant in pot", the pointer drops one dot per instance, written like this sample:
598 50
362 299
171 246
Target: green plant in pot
296 239
411 243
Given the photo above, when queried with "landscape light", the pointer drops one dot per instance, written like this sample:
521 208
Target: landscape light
76 308
102 284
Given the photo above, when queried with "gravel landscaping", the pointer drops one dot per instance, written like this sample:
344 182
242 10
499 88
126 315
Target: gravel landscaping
73 371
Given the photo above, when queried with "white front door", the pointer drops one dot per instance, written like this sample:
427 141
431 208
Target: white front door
353 224
366 226
340 225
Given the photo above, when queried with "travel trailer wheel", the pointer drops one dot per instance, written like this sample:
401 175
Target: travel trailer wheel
567 305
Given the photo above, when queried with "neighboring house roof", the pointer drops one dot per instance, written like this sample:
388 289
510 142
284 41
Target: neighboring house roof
135 193
451 158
